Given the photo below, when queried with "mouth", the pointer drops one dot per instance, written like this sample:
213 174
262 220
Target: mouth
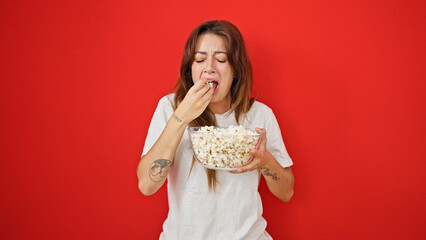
214 84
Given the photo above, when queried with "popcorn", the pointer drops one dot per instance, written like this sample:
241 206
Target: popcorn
210 83
224 147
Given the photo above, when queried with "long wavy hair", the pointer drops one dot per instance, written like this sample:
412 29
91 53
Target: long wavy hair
242 83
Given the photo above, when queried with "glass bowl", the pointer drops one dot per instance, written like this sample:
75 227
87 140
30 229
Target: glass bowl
223 148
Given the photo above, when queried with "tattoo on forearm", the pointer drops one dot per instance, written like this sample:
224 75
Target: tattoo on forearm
265 172
159 169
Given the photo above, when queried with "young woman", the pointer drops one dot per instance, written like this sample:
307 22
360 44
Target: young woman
203 203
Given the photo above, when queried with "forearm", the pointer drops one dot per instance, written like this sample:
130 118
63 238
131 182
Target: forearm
153 168
280 180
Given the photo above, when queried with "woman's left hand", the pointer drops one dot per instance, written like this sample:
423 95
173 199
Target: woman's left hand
261 155
280 180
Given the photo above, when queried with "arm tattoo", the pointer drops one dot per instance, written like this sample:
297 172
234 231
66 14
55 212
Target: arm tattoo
159 169
267 173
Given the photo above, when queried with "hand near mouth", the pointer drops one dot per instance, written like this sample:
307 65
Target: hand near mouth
195 102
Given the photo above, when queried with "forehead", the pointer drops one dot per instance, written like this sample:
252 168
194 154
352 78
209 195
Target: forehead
210 42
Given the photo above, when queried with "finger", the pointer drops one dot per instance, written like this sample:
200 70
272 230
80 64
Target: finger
259 141
199 84
249 167
203 89
253 152
207 88
208 93
261 130
207 99
262 139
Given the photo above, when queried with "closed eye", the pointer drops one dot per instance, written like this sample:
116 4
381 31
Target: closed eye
221 61
199 61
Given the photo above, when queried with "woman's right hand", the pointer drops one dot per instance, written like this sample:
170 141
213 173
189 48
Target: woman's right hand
154 167
195 102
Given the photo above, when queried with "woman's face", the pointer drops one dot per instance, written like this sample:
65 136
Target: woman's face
211 64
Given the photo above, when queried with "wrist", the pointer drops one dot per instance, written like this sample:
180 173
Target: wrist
177 118
269 160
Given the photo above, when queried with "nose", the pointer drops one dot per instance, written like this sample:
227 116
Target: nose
209 68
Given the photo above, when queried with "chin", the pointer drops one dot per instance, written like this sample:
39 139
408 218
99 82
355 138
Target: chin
216 99
213 101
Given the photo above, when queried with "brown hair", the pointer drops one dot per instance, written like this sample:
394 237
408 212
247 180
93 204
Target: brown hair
242 83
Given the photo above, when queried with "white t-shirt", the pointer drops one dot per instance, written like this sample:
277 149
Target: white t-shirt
234 209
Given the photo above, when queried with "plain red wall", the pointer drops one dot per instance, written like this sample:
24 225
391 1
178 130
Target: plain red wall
80 81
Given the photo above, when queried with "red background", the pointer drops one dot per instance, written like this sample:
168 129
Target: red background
80 81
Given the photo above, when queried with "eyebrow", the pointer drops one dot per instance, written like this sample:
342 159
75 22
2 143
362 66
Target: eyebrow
215 52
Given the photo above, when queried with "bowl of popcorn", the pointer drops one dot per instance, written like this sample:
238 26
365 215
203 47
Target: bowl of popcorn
223 148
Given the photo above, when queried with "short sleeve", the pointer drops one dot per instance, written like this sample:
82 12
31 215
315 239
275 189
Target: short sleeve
158 122
275 143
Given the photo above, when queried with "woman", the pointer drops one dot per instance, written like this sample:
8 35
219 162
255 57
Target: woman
208 204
